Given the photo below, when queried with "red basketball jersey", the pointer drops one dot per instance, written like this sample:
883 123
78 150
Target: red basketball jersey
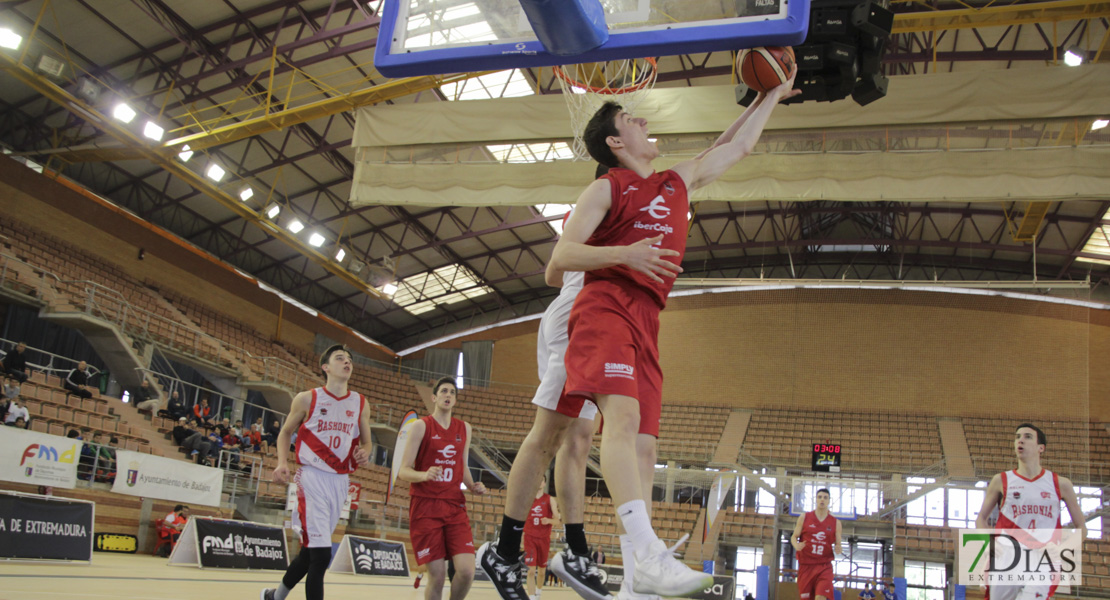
541 509
441 448
819 537
643 208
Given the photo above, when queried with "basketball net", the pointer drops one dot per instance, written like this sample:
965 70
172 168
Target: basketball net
587 86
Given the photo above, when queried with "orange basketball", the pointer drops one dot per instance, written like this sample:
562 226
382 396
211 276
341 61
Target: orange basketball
764 68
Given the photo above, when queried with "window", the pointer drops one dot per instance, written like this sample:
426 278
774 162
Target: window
459 374
502 84
551 210
963 507
928 509
446 285
747 559
529 153
1090 498
925 580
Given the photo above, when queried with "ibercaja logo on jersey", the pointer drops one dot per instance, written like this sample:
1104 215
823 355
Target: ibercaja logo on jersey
1024 557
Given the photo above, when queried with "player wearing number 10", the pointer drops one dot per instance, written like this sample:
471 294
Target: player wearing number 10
437 452
814 537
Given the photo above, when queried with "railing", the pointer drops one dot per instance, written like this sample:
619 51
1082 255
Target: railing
53 363
190 394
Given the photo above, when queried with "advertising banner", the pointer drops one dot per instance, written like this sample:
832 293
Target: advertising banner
369 556
45 528
39 458
229 544
150 476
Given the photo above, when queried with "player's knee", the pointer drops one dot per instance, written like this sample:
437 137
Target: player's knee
319 556
464 574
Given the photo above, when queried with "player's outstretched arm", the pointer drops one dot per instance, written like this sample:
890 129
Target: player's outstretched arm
794 537
699 172
840 548
730 133
573 254
556 517
990 501
365 440
412 446
476 488
1067 493
298 412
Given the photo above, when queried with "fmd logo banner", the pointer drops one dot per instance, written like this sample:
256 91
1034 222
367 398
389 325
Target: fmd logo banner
38 458
1030 558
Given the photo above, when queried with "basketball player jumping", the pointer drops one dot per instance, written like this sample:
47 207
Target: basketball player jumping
537 538
1028 498
816 533
333 438
628 232
437 453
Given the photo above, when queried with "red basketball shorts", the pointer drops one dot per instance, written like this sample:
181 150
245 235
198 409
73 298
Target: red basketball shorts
439 529
815 580
614 349
536 550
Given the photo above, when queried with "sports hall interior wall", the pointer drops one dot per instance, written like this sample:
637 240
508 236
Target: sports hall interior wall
883 350
116 236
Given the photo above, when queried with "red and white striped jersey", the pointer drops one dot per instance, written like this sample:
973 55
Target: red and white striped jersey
328 438
1030 504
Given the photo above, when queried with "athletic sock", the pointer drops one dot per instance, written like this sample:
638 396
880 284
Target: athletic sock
628 557
509 545
637 525
576 539
281 592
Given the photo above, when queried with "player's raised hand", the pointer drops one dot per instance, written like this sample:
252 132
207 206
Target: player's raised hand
433 473
281 474
361 457
785 89
644 257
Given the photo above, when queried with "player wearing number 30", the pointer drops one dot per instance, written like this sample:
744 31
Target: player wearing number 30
815 535
436 455
333 439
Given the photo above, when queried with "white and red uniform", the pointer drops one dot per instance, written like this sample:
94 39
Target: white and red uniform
614 325
326 443
551 345
438 523
815 572
1032 505
537 535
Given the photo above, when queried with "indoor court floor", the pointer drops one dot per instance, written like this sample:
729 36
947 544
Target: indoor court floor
141 577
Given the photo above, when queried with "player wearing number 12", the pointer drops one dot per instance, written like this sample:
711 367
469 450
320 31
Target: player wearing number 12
437 452
814 537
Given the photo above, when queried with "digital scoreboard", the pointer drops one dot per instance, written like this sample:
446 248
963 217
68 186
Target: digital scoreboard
826 458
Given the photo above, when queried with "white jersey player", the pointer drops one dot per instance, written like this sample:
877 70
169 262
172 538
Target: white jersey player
332 425
1028 498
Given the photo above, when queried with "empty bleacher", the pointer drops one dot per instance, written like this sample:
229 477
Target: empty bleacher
1076 449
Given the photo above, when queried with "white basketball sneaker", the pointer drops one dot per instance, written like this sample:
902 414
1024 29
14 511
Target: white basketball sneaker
663 574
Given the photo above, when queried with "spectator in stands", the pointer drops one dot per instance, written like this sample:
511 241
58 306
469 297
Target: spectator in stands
272 432
203 412
867 593
224 428
888 593
89 455
258 443
15 364
73 434
145 398
234 446
749 596
193 441
106 463
599 556
11 388
15 411
20 423
77 382
175 409
174 523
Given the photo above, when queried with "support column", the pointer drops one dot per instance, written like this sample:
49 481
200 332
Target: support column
144 526
668 493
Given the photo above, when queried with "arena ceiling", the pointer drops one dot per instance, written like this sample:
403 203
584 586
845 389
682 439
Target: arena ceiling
266 89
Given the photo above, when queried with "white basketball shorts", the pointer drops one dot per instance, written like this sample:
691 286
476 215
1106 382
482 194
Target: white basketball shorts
320 499
551 346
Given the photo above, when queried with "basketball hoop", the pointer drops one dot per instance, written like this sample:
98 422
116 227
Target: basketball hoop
587 86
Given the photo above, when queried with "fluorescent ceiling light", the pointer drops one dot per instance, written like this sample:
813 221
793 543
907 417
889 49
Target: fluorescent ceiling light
389 289
153 131
296 226
339 255
185 153
273 210
1099 124
316 240
1073 57
123 112
10 39
246 194
214 172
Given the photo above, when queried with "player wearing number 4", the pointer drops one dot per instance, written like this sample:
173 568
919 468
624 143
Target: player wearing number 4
815 535
333 439
437 452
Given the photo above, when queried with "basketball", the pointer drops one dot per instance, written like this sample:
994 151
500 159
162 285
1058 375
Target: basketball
764 68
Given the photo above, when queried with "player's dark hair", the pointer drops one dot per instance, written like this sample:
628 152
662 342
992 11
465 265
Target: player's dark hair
443 380
1041 438
326 356
602 125
179 508
826 490
600 171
